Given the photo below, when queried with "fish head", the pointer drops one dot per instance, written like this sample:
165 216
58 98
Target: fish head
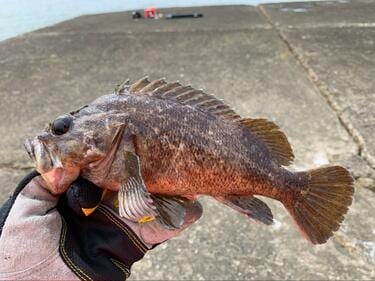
68 145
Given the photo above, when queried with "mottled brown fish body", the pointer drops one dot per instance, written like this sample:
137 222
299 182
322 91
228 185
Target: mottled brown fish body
184 151
158 143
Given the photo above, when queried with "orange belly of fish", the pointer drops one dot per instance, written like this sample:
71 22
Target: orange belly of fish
198 181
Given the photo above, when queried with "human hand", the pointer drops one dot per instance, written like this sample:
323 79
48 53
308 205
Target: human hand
47 237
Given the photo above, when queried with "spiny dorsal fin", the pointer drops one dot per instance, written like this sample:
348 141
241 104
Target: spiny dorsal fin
120 88
184 95
153 85
275 139
139 85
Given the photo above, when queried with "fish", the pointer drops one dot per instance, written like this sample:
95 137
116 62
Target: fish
161 144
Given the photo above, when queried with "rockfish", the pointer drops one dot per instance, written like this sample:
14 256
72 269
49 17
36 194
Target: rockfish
161 144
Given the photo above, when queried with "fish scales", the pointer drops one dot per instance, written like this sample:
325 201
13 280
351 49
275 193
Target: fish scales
160 144
184 149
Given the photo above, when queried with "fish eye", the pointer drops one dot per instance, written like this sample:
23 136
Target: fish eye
61 125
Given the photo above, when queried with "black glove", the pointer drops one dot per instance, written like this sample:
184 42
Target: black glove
79 235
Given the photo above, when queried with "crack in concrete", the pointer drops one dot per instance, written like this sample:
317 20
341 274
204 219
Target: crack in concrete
323 90
12 168
344 241
335 25
40 34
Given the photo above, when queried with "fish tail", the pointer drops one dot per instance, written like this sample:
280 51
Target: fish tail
319 207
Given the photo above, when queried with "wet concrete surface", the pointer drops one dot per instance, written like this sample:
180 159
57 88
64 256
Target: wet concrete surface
238 54
329 14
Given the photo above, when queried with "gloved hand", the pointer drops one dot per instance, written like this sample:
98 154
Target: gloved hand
43 236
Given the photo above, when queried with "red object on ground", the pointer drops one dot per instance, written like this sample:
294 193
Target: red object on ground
150 12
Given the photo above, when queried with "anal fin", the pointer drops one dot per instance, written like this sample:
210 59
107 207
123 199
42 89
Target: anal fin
249 206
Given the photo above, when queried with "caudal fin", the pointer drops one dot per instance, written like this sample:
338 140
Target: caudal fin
320 207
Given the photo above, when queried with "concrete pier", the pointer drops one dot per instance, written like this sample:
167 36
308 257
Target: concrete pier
309 67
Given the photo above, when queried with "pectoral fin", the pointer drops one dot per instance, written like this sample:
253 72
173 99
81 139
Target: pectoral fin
138 205
249 206
135 202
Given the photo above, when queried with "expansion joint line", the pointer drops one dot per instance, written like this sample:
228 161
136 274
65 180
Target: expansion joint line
323 90
11 168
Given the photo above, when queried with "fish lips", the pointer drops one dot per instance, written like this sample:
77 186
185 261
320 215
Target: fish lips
47 164
30 149
39 154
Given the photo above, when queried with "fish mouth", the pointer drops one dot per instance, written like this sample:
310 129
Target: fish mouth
38 152
28 144
46 163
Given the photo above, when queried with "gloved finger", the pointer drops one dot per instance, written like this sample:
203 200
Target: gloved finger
153 233
193 213
84 196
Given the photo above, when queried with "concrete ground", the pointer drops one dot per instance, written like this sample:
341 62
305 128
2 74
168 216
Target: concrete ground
309 67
